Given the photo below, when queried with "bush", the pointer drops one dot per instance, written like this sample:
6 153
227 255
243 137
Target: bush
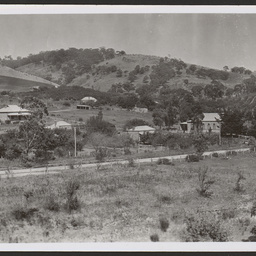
239 187
52 204
205 227
100 154
253 210
164 161
215 154
192 158
66 103
72 201
23 213
164 224
204 183
131 162
228 214
154 238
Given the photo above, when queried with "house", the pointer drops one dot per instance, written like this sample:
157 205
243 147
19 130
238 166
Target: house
87 107
210 123
13 114
60 125
137 131
88 98
140 110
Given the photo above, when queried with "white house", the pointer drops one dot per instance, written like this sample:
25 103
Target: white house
88 98
210 123
140 130
60 125
13 113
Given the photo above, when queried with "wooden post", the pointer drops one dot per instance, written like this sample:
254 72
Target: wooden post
75 139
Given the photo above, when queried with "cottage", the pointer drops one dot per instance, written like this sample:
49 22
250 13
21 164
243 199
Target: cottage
60 125
137 131
13 113
210 123
88 98
87 107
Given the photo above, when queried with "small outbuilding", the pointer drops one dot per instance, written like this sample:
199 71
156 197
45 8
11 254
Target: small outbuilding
86 107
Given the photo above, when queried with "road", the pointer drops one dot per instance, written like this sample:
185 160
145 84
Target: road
57 169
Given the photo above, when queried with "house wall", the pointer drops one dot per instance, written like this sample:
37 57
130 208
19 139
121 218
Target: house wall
215 127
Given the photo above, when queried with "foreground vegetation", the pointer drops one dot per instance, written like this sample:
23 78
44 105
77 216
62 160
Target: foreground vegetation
211 200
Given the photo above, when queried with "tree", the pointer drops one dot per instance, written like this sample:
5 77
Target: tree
232 121
171 115
159 117
225 68
200 143
119 73
35 105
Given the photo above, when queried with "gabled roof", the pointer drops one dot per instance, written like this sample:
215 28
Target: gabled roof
88 98
59 124
142 128
211 117
13 109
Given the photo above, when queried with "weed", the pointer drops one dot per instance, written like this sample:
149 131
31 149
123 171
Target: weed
131 162
164 161
239 187
205 227
23 213
204 183
253 210
165 199
154 238
52 204
72 201
164 224
228 214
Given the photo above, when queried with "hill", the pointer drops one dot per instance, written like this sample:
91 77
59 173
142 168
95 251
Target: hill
14 80
118 70
109 70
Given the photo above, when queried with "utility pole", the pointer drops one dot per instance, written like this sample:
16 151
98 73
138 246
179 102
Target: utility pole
220 135
75 139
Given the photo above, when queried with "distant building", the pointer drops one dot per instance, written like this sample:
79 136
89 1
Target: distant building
60 125
88 98
13 113
87 107
137 131
140 110
210 123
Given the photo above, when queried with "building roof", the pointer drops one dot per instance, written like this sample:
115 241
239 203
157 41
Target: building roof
58 124
142 128
211 117
13 109
89 98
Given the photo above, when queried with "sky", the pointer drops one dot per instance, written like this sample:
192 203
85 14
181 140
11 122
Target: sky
212 40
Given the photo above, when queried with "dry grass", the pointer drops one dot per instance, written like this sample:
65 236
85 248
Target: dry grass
126 204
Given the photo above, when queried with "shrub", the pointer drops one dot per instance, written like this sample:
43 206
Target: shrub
253 230
131 162
192 158
205 227
23 213
154 238
165 199
66 103
52 204
80 119
200 144
239 187
100 154
164 161
72 201
228 214
164 224
253 210
215 154
204 183
127 151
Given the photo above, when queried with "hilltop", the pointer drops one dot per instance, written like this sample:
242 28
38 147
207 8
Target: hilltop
106 69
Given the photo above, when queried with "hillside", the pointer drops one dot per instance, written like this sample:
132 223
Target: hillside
102 75
14 80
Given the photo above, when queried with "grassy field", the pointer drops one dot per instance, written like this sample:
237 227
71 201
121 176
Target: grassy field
115 116
131 203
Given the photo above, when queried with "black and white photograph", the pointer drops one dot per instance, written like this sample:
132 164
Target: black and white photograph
127 125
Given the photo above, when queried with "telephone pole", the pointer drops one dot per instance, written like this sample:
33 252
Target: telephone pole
75 139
